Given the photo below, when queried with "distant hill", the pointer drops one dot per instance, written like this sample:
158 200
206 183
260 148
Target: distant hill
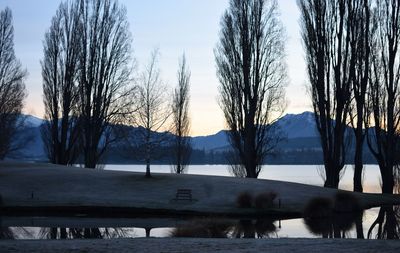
293 126
210 142
298 125
301 144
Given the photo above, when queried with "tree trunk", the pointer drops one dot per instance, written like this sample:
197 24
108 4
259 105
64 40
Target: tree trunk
332 176
147 232
148 174
387 180
359 227
90 158
63 233
358 167
179 156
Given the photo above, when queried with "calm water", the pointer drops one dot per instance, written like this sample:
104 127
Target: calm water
45 228
306 174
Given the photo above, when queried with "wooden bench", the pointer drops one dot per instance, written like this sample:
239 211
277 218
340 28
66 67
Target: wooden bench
183 194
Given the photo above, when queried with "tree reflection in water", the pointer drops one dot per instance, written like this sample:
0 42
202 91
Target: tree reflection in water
203 228
210 228
81 233
14 233
387 224
6 233
336 225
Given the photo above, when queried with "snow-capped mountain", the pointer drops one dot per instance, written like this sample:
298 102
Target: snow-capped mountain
292 126
298 125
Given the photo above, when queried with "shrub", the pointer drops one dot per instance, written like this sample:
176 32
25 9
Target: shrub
244 200
203 228
318 208
189 231
345 202
265 200
319 226
264 227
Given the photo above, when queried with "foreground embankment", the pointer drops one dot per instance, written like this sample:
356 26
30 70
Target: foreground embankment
202 245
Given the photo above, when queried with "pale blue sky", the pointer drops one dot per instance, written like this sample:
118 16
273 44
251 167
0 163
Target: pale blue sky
173 26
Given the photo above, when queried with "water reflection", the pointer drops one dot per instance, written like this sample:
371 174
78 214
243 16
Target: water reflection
336 225
11 233
378 223
213 228
17 233
203 228
81 233
6 233
386 224
260 228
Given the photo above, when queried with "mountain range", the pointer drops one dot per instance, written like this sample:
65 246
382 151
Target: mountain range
301 144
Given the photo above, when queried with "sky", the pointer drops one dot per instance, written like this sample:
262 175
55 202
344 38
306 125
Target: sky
174 27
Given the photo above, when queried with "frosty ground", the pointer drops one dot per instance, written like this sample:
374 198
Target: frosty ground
202 245
44 185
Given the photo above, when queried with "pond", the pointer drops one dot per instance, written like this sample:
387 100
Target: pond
375 223
381 223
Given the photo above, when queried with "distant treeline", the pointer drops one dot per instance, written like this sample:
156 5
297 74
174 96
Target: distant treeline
198 157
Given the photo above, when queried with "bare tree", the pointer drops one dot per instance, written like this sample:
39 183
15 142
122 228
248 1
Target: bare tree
384 92
153 110
326 42
61 48
180 117
359 32
105 66
252 74
12 87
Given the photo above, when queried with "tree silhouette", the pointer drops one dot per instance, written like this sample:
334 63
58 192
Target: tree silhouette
105 66
180 119
152 112
60 66
252 74
326 42
12 87
384 90
359 27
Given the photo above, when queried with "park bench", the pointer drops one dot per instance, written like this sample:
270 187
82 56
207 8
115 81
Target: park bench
183 194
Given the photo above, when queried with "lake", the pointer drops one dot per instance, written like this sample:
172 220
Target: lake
305 174
341 226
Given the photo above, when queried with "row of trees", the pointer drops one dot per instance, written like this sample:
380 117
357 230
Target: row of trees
89 89
353 68
12 87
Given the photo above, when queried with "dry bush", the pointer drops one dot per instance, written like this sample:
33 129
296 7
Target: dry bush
265 200
244 200
189 231
318 208
203 228
264 227
346 202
